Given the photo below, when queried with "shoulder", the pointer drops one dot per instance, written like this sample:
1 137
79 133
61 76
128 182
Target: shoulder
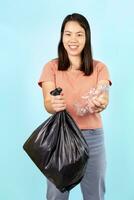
101 70
51 65
99 65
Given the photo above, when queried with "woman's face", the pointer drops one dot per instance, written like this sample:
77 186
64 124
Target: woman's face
73 38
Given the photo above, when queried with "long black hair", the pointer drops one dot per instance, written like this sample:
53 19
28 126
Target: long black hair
86 54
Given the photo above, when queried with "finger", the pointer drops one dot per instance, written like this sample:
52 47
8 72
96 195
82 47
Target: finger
58 104
103 106
89 108
96 102
103 99
98 110
60 108
90 103
59 97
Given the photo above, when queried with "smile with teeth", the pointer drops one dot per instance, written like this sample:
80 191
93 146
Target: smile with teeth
73 47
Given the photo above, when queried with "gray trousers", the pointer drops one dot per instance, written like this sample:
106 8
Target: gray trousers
93 183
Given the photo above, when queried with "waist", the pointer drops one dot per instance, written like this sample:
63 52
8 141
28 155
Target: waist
96 131
91 121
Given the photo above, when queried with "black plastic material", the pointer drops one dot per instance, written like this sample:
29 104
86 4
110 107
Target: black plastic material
59 150
56 92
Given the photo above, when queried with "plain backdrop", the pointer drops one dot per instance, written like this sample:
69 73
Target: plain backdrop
29 35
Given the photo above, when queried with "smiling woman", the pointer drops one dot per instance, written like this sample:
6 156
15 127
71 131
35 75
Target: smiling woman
76 72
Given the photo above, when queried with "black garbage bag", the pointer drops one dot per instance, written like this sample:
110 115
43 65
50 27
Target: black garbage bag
59 150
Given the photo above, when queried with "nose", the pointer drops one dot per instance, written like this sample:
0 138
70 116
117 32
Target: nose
73 38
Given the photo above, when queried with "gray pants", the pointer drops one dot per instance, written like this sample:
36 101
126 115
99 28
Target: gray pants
93 183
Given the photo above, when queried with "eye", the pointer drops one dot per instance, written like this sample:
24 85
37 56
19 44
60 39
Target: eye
67 34
80 35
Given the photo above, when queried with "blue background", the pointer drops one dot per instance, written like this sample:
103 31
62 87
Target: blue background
29 34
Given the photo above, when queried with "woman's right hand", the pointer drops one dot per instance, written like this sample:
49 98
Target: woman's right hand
58 103
52 103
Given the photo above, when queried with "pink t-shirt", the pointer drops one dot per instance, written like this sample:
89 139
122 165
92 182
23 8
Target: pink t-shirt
75 85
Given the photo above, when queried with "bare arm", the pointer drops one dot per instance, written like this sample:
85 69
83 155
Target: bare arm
52 103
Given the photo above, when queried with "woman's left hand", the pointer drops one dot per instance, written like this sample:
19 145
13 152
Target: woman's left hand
100 103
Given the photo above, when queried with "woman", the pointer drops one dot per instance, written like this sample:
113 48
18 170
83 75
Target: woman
76 72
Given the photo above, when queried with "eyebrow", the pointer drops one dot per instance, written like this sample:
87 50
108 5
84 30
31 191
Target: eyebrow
76 32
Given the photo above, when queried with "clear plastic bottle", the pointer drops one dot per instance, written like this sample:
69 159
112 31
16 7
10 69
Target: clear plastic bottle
84 105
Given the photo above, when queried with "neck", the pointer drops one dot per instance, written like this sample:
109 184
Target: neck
75 62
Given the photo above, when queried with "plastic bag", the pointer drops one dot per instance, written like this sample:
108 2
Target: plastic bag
59 150
83 106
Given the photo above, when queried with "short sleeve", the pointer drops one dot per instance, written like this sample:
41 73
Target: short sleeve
47 74
103 73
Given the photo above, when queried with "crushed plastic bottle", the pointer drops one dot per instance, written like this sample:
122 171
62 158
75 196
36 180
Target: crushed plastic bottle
84 105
